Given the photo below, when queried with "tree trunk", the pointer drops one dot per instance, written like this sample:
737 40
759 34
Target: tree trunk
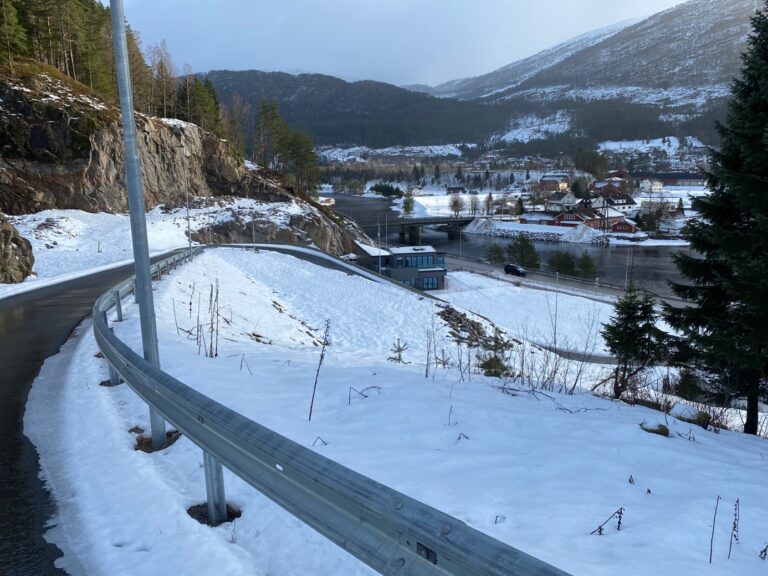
751 424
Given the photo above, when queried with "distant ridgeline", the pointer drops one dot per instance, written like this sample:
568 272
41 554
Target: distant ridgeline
374 114
371 113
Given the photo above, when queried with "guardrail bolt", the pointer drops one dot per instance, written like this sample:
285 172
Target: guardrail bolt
400 562
399 505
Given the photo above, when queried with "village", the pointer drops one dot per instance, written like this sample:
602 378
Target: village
527 194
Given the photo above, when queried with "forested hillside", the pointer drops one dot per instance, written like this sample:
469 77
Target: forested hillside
336 112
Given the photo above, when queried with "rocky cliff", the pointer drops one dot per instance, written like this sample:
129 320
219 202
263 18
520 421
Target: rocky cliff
16 258
61 148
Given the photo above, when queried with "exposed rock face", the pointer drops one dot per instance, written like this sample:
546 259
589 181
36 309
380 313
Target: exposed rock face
16 258
61 148
312 226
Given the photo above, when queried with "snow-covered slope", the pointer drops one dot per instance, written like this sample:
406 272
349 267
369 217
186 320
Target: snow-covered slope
515 73
690 47
539 470
683 56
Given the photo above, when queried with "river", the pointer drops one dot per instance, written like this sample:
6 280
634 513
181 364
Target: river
651 267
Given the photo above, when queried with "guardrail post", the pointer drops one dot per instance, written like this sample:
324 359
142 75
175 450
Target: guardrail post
214 488
118 306
114 377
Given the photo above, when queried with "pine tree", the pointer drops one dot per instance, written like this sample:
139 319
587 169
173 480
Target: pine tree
408 203
495 254
562 263
726 330
12 33
585 266
634 340
522 251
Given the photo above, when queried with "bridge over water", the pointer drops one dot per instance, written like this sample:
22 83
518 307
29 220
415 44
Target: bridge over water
412 226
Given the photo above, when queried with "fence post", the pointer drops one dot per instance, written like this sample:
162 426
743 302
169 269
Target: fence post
214 488
118 306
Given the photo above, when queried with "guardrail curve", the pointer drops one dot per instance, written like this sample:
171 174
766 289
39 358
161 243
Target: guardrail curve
389 531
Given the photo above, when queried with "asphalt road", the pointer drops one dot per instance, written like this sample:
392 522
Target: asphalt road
33 326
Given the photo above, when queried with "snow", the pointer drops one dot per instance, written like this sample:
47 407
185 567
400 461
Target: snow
536 127
539 472
531 313
371 250
412 249
671 145
363 153
672 195
698 97
70 243
176 123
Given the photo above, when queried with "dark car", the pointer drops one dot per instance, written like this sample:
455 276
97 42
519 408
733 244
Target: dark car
514 269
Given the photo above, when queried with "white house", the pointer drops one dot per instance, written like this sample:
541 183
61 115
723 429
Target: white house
561 200
620 202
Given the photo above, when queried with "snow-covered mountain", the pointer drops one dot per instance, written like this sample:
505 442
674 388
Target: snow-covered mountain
517 72
686 55
682 53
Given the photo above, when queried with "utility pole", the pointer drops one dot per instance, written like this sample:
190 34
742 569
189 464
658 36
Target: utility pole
136 207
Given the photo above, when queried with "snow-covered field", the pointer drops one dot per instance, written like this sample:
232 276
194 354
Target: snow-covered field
540 472
674 97
671 145
364 153
69 243
549 318
536 127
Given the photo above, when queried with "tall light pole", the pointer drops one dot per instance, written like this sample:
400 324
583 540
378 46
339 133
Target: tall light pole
136 209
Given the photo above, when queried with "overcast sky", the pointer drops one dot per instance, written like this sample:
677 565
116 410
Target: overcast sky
397 41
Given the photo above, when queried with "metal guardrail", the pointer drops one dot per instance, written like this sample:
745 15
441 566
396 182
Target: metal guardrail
389 531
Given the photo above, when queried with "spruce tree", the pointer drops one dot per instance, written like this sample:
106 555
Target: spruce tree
408 203
633 339
585 266
522 251
495 254
725 332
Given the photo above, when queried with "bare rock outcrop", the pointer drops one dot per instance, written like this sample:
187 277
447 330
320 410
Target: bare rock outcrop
312 225
62 148
16 259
